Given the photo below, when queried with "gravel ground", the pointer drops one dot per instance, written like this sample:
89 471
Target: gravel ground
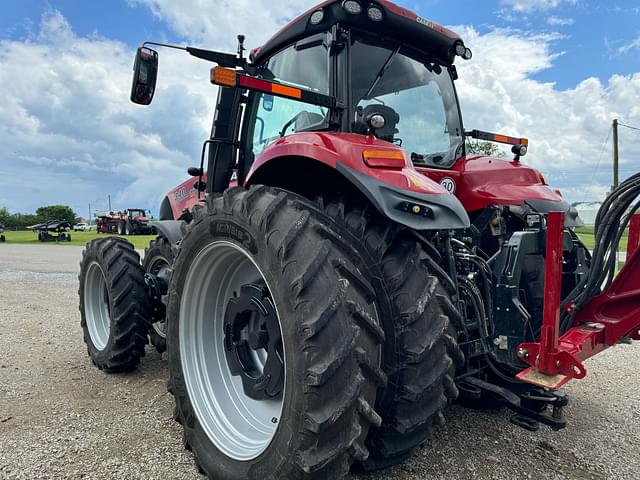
62 418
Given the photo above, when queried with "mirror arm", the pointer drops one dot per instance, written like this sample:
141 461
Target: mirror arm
227 60
176 47
223 59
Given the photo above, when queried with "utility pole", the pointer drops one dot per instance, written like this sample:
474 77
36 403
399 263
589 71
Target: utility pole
110 201
616 179
89 214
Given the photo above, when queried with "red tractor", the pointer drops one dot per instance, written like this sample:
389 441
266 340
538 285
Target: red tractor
342 270
133 221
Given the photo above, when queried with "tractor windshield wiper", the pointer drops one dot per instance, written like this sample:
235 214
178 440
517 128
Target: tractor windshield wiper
381 73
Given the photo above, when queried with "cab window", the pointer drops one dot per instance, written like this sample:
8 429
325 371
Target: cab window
304 65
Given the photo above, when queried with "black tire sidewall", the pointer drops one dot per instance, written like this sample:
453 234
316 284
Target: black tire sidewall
129 305
93 253
274 462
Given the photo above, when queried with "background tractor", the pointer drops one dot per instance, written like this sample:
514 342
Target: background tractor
340 269
133 221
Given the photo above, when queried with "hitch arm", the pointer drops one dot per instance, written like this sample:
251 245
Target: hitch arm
607 319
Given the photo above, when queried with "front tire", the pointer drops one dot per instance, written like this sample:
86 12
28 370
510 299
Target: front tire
316 426
114 307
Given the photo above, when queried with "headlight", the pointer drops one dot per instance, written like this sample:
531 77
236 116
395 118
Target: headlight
317 17
374 13
353 7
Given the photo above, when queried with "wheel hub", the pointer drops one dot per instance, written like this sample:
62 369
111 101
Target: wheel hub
253 342
157 281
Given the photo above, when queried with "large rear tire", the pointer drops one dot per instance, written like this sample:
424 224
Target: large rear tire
419 353
158 261
315 427
114 307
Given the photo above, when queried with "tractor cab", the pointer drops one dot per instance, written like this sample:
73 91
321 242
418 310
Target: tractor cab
390 71
137 214
402 96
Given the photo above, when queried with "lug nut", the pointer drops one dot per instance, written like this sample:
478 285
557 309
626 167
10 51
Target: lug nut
523 353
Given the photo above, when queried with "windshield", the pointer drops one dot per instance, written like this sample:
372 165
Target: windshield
417 99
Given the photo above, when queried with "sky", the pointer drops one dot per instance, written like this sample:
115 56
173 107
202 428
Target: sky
555 71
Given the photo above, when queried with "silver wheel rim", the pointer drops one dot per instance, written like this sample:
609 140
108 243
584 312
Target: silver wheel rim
239 426
158 263
96 306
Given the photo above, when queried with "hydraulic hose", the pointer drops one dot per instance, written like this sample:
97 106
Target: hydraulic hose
611 222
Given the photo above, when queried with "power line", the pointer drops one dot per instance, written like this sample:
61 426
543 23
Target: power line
629 126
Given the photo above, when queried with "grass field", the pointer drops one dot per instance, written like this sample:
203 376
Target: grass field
77 238
586 235
141 241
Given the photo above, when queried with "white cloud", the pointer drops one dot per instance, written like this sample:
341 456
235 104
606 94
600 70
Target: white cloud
216 23
532 5
66 119
633 45
559 21
566 128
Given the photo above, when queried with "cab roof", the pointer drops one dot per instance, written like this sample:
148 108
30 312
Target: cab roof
397 23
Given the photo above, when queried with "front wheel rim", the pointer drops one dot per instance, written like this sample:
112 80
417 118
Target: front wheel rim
96 306
240 427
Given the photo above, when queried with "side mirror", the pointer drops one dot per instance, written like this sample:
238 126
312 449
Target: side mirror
145 74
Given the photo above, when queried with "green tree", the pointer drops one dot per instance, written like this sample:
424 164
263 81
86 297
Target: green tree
17 220
486 149
57 212
4 215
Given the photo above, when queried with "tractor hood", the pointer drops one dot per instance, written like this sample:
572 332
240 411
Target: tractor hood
394 22
480 182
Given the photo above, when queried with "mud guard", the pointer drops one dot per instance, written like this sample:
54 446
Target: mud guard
571 216
172 230
436 211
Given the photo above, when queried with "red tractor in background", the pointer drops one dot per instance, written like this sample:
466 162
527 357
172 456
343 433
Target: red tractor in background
133 221
341 270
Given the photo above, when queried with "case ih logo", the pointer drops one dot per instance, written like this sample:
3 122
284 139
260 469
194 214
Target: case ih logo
425 22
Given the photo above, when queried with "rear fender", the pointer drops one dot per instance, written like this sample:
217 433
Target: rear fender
172 230
401 194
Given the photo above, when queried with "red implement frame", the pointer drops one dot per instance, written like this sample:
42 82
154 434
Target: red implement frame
604 321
